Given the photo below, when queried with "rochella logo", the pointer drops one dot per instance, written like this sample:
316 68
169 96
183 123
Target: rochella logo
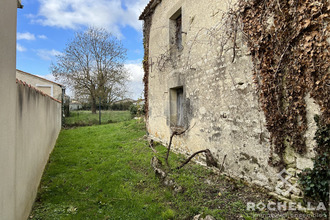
285 180
283 206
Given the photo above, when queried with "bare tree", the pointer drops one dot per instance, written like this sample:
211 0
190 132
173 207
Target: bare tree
92 64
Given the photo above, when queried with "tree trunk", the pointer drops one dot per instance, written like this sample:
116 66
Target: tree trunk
93 106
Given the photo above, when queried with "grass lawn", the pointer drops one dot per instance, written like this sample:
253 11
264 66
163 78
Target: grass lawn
83 118
103 172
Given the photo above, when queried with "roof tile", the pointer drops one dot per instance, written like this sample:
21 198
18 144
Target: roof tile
149 8
37 90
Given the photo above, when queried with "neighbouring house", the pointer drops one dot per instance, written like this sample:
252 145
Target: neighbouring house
75 105
124 101
218 71
123 104
30 121
139 102
50 88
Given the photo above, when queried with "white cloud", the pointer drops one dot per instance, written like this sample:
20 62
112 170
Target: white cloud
47 54
135 83
25 36
109 14
135 90
42 37
48 76
20 48
135 70
29 36
134 9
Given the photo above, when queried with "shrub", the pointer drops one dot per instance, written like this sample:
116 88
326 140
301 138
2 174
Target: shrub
168 214
322 136
140 110
133 110
315 182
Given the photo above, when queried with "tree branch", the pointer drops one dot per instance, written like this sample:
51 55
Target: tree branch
221 168
151 145
171 138
191 157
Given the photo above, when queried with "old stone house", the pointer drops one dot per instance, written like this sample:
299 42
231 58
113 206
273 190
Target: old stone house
199 76
48 87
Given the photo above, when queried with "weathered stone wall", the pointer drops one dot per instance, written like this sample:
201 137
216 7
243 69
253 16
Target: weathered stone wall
220 99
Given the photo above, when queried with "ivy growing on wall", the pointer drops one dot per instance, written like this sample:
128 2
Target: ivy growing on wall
145 62
289 44
315 182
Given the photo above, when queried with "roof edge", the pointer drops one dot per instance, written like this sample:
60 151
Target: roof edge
149 9
37 90
41 78
19 4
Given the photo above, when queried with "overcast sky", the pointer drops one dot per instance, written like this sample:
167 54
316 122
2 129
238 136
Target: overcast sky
45 26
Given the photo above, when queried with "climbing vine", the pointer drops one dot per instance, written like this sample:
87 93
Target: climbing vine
315 182
290 51
289 44
145 62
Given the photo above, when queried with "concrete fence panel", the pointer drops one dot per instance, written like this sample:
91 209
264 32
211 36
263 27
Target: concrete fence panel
38 123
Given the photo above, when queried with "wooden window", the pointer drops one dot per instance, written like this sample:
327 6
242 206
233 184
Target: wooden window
175 29
178 32
179 95
177 107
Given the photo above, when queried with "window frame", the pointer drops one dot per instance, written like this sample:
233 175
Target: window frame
175 30
177 107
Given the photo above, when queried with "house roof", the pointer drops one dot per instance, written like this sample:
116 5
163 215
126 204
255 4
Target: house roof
37 90
19 4
124 100
149 9
39 77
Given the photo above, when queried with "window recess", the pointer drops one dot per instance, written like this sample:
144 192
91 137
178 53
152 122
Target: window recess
176 30
177 113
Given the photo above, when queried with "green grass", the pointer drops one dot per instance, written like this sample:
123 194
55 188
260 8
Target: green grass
83 118
104 172
94 173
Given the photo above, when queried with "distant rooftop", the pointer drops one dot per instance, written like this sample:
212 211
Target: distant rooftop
40 77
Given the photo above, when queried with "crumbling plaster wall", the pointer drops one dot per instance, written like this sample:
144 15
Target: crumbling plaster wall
221 100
